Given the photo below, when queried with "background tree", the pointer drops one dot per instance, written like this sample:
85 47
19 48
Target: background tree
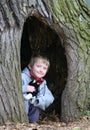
70 20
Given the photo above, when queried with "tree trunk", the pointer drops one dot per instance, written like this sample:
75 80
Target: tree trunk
72 19
11 101
13 14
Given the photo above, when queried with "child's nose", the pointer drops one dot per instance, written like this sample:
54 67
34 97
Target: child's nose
41 71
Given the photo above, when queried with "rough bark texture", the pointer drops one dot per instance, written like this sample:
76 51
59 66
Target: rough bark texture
74 18
12 17
72 25
11 101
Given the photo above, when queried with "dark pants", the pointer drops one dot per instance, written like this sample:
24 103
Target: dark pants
33 114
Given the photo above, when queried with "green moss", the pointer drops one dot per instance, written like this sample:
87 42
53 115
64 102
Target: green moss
76 128
87 113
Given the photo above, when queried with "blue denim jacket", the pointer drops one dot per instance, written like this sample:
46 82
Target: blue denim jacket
44 97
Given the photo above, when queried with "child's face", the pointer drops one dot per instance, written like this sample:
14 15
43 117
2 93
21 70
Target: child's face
39 68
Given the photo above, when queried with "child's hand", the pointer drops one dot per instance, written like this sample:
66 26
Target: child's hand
31 88
28 96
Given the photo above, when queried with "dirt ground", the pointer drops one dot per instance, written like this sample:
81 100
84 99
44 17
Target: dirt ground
46 124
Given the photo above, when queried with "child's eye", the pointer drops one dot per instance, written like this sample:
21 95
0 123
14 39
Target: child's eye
44 68
38 66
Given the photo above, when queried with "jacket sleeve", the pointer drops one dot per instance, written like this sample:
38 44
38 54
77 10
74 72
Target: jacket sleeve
25 82
45 98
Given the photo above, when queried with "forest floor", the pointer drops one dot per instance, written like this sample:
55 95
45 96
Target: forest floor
47 124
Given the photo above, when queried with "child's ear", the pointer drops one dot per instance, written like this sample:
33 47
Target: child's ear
29 66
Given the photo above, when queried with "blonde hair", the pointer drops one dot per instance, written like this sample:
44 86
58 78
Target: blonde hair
43 58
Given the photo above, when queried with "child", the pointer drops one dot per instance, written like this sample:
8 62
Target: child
37 95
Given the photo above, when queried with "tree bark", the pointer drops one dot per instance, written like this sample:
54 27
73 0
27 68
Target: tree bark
13 14
72 18
11 101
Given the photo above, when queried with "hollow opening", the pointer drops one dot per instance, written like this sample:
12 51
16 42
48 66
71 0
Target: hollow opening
39 37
